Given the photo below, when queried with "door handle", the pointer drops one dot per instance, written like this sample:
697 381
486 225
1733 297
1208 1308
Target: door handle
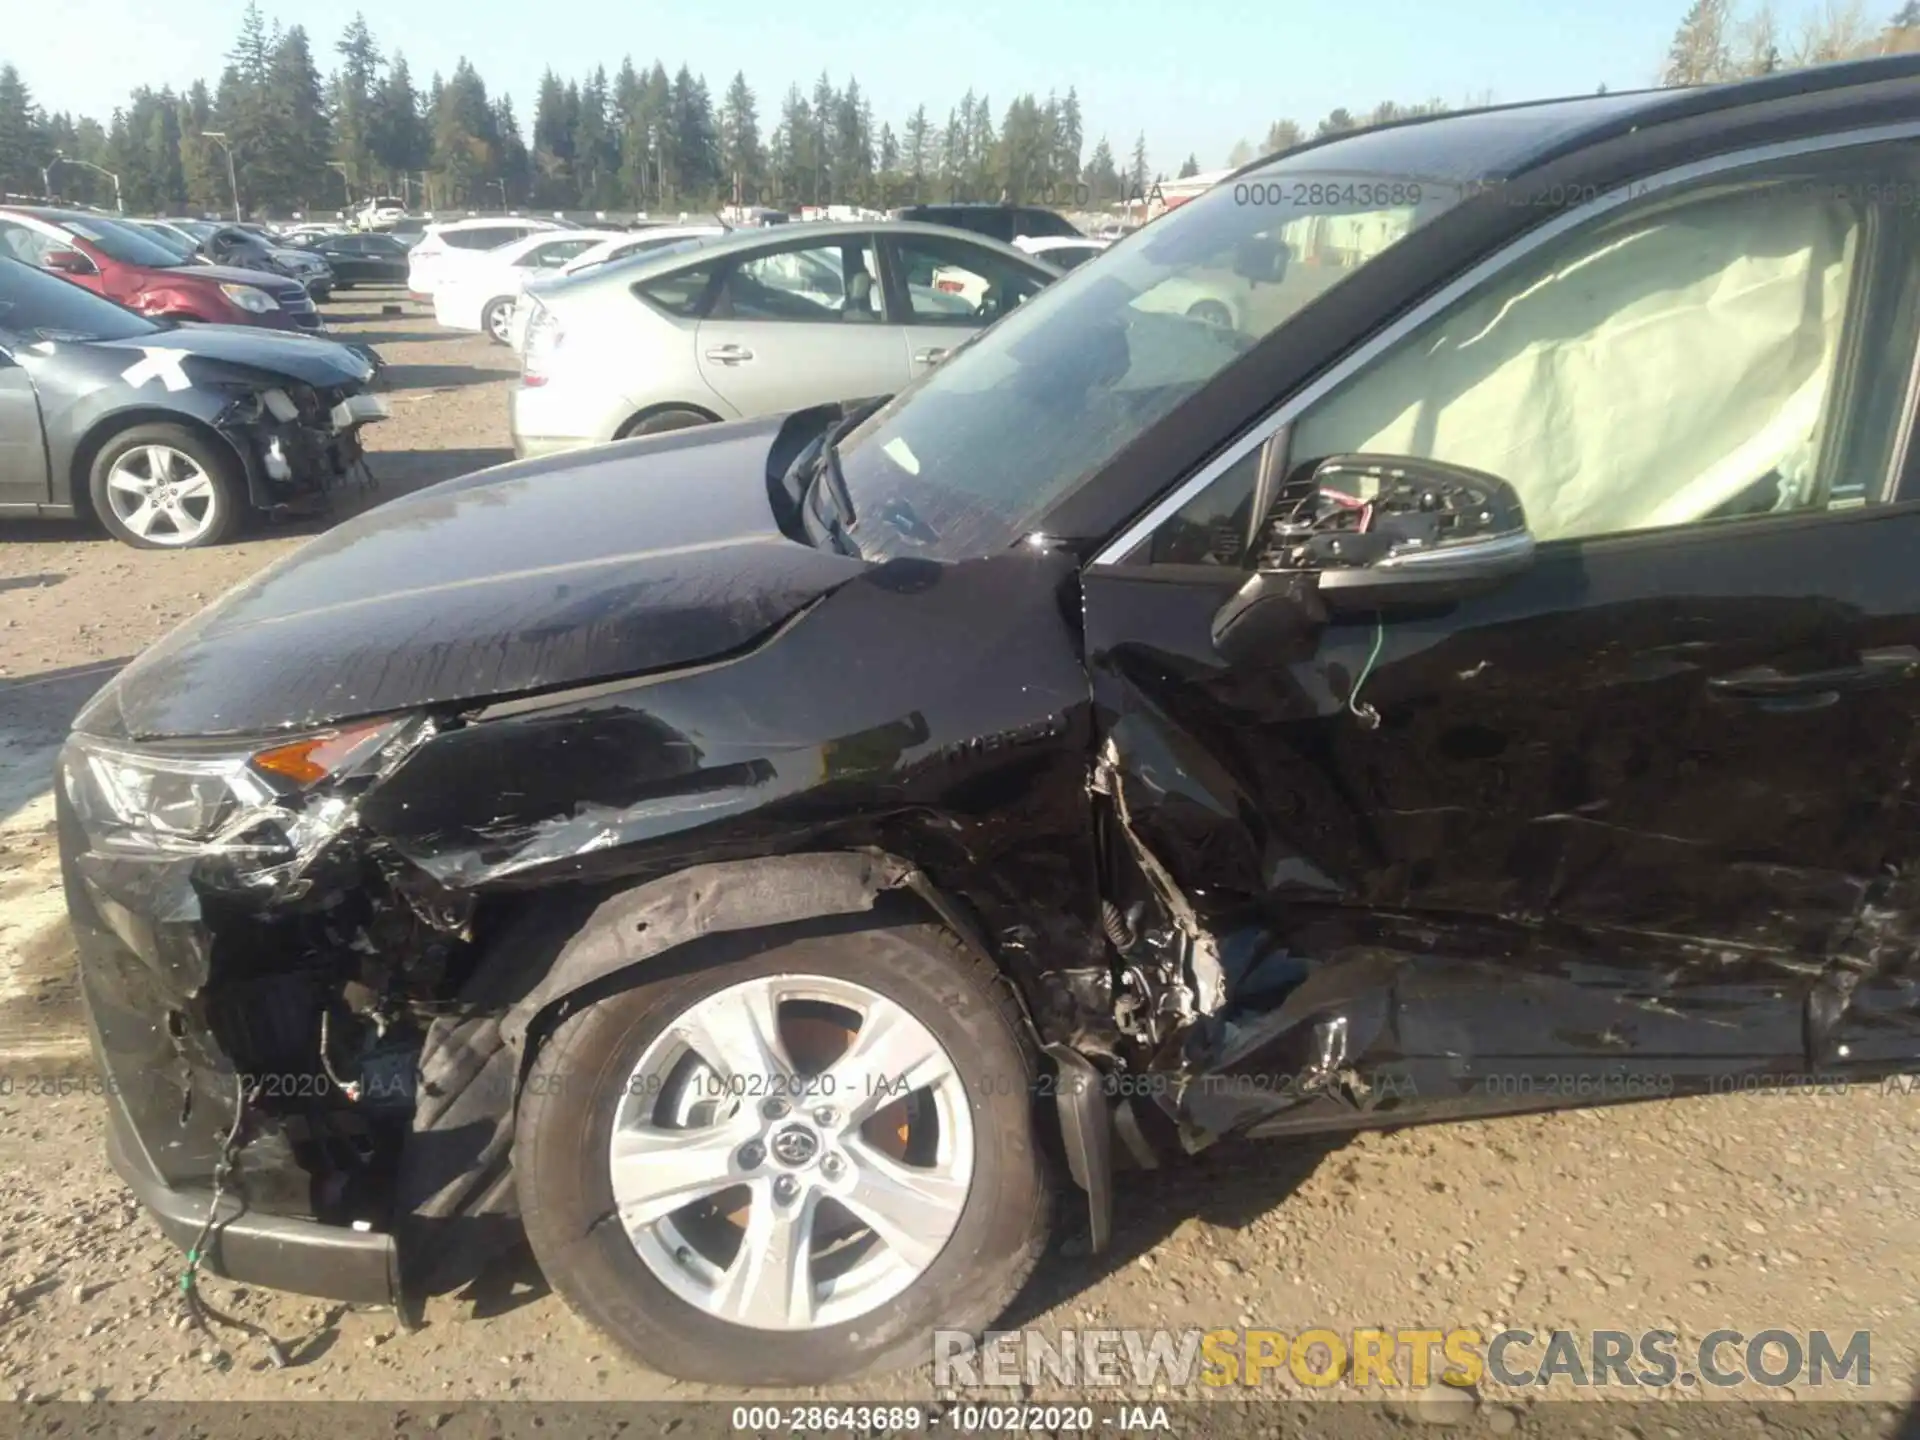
931 356
1885 666
729 354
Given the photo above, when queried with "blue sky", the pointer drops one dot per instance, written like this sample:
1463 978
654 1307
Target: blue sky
1195 76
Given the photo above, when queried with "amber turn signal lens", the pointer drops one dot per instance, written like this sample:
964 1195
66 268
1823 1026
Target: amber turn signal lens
315 757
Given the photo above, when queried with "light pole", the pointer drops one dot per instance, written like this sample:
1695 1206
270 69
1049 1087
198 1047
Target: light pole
46 179
61 155
346 183
501 185
233 180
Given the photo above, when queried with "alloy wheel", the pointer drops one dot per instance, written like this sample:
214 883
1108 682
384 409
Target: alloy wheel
792 1152
162 495
500 323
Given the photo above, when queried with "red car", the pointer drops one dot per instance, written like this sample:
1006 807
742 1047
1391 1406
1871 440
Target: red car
119 262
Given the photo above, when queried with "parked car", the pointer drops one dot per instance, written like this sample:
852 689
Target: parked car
451 246
380 210
1485 683
241 248
168 435
646 241
137 270
751 323
481 295
295 233
408 229
1005 223
371 259
1059 250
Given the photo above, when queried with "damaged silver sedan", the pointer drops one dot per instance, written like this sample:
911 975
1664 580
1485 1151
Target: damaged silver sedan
754 862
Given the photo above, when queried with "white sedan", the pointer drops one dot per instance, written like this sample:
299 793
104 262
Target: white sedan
480 294
638 242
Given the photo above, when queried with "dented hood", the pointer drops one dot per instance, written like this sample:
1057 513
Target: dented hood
308 358
614 561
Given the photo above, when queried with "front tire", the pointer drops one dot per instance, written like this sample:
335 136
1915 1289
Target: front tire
800 1210
165 487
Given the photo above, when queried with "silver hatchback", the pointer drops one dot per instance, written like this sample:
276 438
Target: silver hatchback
752 323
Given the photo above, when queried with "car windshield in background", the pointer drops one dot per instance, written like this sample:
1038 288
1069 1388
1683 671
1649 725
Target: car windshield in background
173 241
36 306
965 460
125 244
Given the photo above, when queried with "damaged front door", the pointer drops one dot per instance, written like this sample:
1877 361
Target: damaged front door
1630 821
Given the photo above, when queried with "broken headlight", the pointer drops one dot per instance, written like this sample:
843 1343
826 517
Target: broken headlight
255 800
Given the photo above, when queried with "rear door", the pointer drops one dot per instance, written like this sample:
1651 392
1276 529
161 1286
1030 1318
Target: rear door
801 323
948 288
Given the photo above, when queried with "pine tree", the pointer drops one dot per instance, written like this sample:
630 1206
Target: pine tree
696 140
742 163
352 91
552 144
397 132
920 159
1281 135
1101 176
1068 138
296 135
22 143
1137 172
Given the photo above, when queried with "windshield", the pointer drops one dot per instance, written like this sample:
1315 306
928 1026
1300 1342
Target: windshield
36 305
977 450
124 243
170 238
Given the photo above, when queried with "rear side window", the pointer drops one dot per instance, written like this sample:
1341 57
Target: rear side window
682 293
484 238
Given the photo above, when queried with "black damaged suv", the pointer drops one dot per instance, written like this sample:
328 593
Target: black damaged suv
1479 676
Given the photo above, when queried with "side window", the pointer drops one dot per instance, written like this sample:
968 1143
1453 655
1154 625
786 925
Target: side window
681 293
1685 363
950 282
822 283
23 243
484 238
556 252
1710 354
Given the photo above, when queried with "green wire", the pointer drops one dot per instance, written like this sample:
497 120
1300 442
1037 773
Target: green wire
1366 713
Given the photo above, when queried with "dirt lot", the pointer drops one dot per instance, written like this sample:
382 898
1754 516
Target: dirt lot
1745 1213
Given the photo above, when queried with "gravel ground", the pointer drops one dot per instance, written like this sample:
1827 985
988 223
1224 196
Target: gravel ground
1745 1213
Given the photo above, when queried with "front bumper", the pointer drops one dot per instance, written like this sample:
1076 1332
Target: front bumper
171 1091
275 1251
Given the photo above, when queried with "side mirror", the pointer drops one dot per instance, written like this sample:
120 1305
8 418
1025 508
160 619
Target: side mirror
1372 533
1261 260
68 262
